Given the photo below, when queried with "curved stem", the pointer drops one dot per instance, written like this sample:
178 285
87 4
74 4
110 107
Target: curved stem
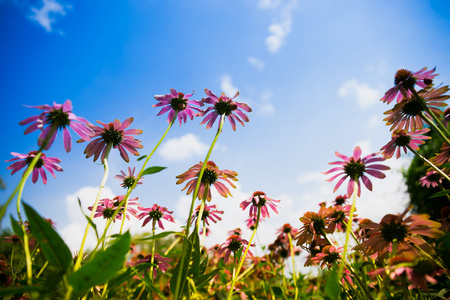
244 255
94 208
429 162
194 196
432 125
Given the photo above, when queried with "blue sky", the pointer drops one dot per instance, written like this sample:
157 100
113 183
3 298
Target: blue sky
313 72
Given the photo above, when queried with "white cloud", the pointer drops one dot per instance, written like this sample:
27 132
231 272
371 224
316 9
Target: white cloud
257 63
268 4
278 31
227 86
183 148
44 15
365 95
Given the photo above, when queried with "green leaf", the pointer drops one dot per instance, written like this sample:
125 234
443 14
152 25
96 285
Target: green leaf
160 235
332 288
127 274
142 157
440 194
204 279
102 267
16 228
196 253
88 219
152 170
22 289
53 247
181 268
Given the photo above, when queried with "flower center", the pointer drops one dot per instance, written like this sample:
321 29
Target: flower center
30 158
354 169
58 117
402 139
412 107
225 107
179 103
205 214
235 243
108 213
405 78
112 136
318 223
209 176
287 228
261 199
128 182
394 231
155 214
338 216
340 200
434 177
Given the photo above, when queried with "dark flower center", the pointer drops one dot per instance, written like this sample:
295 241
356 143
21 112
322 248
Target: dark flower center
112 136
402 140
394 231
179 103
108 213
284 252
155 215
30 158
224 107
209 176
331 258
261 200
434 177
287 228
205 214
58 118
412 107
318 223
128 182
235 245
354 169
405 77
340 200
338 216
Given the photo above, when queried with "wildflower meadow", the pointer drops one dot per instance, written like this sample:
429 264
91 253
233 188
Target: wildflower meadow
348 256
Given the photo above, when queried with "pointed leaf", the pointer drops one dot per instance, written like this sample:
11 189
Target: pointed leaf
16 228
332 288
88 219
440 194
53 247
142 157
182 267
204 279
103 266
152 170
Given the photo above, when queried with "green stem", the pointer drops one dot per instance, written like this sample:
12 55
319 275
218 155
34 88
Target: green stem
349 229
432 125
294 272
429 162
430 112
244 255
94 208
194 196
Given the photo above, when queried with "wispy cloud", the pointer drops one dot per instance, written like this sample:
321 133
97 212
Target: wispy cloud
44 15
364 94
279 30
257 63
183 148
227 86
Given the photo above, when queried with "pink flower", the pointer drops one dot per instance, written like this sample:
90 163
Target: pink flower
61 117
407 114
402 140
44 163
431 180
251 222
338 218
224 105
259 200
405 81
314 225
107 207
406 231
233 244
113 133
209 213
128 179
340 200
177 102
155 213
355 167
162 263
329 256
211 176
